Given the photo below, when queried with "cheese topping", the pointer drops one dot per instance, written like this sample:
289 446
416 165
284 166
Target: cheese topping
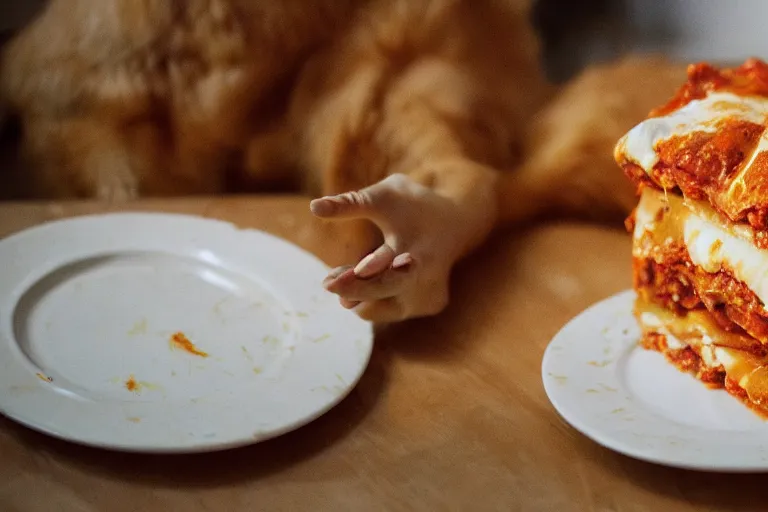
705 115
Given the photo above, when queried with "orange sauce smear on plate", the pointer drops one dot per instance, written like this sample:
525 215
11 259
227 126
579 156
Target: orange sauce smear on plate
180 340
131 384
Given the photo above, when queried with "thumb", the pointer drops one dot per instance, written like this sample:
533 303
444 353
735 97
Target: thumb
363 204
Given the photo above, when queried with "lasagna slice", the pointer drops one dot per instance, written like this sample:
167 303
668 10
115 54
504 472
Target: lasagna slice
700 230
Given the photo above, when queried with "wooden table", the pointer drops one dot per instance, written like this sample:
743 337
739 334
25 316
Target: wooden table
450 415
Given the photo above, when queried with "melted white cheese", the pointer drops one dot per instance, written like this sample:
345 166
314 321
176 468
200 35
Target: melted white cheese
648 319
710 354
728 357
639 144
711 245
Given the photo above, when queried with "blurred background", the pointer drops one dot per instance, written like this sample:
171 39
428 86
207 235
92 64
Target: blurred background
574 34
577 33
15 13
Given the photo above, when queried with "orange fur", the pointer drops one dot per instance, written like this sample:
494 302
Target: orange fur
568 167
120 98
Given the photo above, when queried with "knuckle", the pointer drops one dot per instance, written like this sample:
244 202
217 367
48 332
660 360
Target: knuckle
397 178
357 198
393 186
385 193
402 183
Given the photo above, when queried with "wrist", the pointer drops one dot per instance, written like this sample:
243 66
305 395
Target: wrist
468 190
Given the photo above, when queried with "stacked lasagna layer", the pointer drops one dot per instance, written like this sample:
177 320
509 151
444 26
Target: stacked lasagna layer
700 234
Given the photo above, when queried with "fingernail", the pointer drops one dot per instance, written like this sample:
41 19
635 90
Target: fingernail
402 261
363 266
333 274
332 283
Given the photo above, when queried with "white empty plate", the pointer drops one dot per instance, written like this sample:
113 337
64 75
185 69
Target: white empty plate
633 401
169 333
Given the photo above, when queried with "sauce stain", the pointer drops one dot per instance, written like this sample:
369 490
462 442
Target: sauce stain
321 338
561 379
134 419
138 328
270 340
216 310
135 386
180 340
131 384
44 377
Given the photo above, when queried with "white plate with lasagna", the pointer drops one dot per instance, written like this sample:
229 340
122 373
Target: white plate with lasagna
169 333
634 401
700 262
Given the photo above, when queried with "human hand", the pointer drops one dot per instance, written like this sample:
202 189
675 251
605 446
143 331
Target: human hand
408 275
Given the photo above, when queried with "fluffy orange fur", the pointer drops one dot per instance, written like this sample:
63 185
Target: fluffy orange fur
567 166
125 98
